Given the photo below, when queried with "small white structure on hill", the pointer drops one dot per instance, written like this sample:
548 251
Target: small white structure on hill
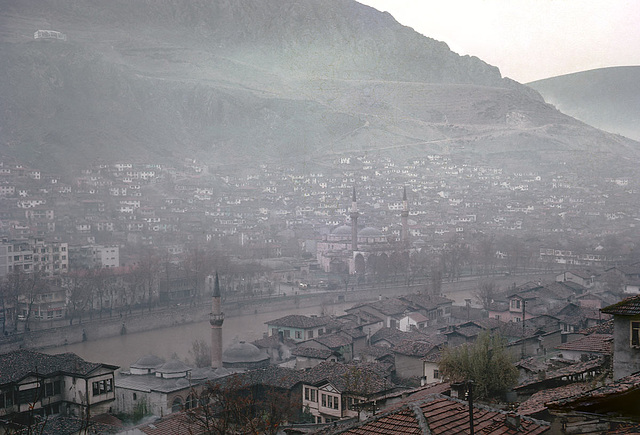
49 34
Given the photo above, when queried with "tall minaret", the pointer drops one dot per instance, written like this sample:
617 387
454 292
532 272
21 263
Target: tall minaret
216 318
354 221
405 217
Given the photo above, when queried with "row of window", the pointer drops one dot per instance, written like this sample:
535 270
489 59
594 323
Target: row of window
298 334
329 401
310 394
9 397
102 387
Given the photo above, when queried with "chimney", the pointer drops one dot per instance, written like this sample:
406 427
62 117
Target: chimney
512 420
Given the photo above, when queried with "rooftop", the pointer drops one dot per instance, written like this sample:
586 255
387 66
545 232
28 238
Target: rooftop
627 307
438 414
298 321
16 365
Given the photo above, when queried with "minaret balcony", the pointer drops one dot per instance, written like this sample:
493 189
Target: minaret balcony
216 319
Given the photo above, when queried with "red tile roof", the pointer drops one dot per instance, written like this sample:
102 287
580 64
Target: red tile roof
537 402
594 343
601 328
621 386
627 307
438 415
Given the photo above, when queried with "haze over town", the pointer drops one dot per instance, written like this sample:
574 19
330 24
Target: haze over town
302 216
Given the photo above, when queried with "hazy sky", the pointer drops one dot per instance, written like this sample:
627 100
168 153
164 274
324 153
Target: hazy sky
529 39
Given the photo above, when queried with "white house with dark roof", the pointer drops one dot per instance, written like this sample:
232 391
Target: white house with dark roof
298 327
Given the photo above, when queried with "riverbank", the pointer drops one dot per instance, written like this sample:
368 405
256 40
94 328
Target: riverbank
165 317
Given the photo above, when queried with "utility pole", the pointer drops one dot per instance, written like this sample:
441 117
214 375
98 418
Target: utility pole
470 393
524 302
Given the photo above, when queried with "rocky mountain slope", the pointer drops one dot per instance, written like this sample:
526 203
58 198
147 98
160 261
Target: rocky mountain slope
231 82
607 98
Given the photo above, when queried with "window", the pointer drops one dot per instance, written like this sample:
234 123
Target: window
324 400
635 334
436 374
330 401
102 387
306 393
335 403
287 333
314 398
309 334
298 335
6 399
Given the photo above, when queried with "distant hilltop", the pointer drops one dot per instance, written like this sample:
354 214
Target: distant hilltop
607 98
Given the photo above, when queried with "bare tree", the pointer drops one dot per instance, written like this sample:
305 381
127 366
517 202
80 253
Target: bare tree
75 283
486 292
232 406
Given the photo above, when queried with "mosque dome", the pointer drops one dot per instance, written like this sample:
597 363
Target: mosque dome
244 355
146 364
343 230
173 369
370 232
182 382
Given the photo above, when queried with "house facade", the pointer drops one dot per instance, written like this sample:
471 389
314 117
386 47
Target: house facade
32 383
297 327
626 336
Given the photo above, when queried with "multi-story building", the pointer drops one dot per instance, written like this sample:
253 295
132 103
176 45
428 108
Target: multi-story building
34 383
95 256
32 254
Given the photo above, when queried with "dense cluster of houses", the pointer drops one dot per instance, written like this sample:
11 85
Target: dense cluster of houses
276 211
577 353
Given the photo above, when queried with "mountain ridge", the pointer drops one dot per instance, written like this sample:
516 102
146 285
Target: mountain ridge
331 82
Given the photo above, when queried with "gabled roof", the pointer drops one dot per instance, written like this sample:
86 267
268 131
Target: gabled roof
627 307
310 352
18 364
333 341
425 301
298 321
414 348
438 415
390 307
366 379
395 336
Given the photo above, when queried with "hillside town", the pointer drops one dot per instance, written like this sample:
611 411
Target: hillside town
126 237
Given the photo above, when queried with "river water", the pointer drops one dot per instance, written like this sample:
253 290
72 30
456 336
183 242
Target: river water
124 350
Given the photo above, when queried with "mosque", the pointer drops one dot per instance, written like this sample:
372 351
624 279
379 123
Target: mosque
366 251
164 387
